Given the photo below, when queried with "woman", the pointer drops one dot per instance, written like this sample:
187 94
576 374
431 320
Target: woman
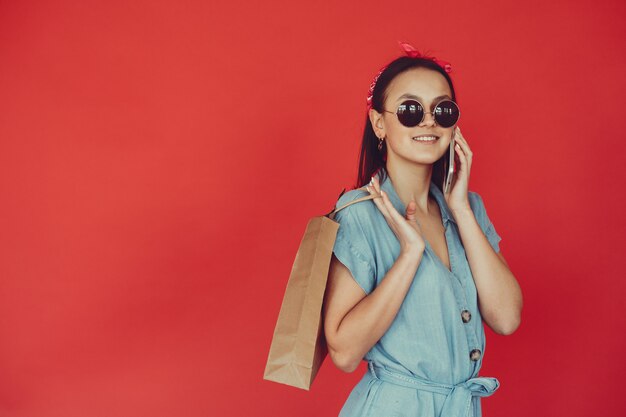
414 272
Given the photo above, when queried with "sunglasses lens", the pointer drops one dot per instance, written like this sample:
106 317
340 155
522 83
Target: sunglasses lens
447 113
410 113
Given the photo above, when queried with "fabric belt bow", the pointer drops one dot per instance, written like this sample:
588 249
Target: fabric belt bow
459 397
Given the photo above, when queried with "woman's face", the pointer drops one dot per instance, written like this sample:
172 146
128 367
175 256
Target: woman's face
428 87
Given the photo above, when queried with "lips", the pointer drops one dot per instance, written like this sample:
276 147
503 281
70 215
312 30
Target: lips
425 138
426 135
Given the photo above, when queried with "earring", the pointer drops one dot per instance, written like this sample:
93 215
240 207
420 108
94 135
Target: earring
380 144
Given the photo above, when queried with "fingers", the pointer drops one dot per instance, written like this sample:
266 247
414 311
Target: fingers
411 210
397 217
380 202
384 204
464 146
377 199
461 155
401 226
375 184
388 208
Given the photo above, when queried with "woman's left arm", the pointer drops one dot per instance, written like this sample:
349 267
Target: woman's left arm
499 294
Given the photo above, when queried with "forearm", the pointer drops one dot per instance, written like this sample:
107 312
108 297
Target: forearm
499 294
368 321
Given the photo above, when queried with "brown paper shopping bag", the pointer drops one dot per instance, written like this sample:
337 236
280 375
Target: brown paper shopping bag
299 346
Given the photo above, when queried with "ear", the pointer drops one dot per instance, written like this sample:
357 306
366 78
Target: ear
376 119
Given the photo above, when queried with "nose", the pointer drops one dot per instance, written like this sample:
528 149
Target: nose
429 119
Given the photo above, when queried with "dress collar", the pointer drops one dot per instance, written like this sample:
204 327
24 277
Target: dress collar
388 187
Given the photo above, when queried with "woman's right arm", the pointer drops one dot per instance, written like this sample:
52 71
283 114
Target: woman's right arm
354 321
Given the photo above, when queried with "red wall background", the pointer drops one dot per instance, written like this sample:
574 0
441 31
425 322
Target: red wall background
159 161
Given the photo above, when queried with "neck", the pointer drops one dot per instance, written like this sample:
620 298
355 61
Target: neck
411 182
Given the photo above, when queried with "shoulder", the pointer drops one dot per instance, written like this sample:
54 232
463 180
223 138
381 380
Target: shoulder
357 211
476 201
349 196
480 212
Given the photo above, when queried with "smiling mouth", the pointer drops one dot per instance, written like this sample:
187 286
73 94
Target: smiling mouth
425 139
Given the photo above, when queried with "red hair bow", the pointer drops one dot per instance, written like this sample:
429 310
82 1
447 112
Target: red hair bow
414 53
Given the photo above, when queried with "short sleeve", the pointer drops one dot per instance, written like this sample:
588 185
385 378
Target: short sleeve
480 212
352 247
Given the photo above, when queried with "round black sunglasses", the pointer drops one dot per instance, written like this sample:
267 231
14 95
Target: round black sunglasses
411 113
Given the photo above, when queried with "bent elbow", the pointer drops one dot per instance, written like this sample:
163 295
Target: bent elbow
511 327
343 362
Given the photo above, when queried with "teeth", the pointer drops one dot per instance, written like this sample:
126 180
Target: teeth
425 138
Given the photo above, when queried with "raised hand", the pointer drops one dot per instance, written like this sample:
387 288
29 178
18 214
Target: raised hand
457 198
407 230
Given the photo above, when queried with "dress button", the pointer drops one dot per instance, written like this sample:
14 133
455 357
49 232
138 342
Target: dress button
466 316
475 354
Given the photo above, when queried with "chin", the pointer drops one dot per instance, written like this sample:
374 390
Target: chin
421 153
427 150
423 159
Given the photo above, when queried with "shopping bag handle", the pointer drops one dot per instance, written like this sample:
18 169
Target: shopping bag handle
332 214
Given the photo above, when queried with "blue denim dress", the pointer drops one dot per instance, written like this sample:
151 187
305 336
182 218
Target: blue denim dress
427 363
